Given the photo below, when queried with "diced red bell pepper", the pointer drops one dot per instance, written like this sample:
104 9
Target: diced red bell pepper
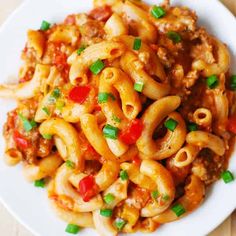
132 132
20 140
232 124
88 188
101 13
137 161
79 94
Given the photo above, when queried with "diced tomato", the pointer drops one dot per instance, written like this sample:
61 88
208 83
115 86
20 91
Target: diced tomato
137 161
20 140
132 132
101 13
154 47
88 188
79 94
60 61
90 150
97 107
70 20
232 124
11 119
28 76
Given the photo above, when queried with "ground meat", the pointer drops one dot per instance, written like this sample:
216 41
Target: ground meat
208 166
138 197
91 30
204 48
178 19
166 59
44 147
101 13
179 174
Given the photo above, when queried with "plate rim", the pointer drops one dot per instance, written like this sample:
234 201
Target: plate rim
10 209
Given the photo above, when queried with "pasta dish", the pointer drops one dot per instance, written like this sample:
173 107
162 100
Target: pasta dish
126 114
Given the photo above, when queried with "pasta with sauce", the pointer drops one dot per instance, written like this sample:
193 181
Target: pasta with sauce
126 113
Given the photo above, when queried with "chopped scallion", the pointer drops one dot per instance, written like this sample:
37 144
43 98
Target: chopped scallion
137 44
139 86
97 67
175 37
56 93
212 81
28 125
72 229
116 119
165 197
227 176
45 109
70 164
171 124
47 136
110 131
45 25
103 97
155 194
158 12
106 212
80 50
178 209
192 126
39 183
109 198
124 175
120 223
232 84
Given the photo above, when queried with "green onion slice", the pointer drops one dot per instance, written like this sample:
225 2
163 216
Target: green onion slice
106 212
47 136
155 194
120 223
232 84
56 93
227 176
110 131
178 209
138 86
165 197
45 109
72 229
70 164
137 44
28 125
212 81
116 119
97 67
45 25
192 126
124 175
39 183
103 97
109 198
80 50
171 124
175 37
158 12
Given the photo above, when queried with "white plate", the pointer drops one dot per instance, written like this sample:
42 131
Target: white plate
30 205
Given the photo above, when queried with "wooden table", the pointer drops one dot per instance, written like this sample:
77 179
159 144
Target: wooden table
10 227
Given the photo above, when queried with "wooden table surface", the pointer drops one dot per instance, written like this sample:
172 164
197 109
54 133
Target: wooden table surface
10 227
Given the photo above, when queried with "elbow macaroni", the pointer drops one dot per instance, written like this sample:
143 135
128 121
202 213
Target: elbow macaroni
115 115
